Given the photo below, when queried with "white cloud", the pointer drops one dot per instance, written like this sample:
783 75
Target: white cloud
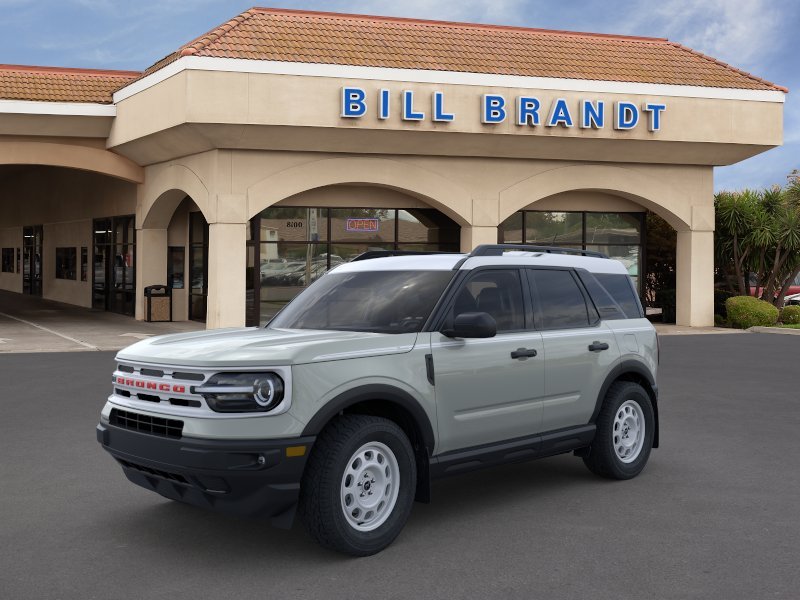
503 12
743 32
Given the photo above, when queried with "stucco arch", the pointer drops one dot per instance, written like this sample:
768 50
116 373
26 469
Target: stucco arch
433 189
655 195
163 192
72 156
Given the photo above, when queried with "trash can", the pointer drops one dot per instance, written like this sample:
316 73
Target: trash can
158 303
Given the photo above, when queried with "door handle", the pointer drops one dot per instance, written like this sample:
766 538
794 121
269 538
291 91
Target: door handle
522 353
598 346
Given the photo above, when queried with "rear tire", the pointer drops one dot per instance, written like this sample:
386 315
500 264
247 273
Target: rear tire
625 428
359 485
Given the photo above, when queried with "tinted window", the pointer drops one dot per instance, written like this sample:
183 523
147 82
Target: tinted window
377 301
560 300
621 290
496 292
606 305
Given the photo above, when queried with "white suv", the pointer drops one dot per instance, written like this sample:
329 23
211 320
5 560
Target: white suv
385 374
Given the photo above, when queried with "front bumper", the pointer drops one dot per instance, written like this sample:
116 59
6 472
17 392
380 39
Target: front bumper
255 478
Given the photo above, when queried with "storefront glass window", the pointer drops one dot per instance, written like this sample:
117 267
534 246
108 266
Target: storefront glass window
510 230
553 228
618 235
8 260
613 228
198 266
175 267
66 263
374 226
84 263
294 246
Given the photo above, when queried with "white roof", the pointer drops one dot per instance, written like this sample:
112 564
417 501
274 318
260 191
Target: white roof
446 262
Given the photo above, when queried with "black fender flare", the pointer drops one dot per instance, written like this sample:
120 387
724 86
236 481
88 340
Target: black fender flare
373 392
619 372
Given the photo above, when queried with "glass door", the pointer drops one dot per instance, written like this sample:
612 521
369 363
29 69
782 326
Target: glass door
32 260
198 266
114 260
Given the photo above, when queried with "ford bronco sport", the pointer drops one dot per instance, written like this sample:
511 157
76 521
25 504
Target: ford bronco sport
385 374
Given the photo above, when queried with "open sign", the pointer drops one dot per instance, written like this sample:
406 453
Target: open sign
368 225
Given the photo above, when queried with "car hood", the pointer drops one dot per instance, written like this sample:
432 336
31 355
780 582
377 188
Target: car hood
242 347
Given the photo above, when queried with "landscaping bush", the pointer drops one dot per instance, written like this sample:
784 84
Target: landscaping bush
790 315
746 311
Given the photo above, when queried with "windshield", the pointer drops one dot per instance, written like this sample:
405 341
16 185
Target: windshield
376 301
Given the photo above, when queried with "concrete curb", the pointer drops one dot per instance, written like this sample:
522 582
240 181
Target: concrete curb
775 330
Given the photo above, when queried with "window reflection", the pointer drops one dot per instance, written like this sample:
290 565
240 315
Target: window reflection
297 245
618 235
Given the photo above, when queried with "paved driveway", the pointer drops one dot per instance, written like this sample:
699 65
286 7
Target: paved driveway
716 514
31 324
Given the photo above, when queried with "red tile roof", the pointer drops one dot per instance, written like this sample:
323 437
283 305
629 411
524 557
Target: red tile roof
57 84
341 39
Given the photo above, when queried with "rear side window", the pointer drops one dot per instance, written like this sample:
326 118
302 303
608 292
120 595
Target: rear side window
560 301
605 304
620 288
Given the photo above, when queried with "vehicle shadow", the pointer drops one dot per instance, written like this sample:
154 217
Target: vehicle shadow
166 527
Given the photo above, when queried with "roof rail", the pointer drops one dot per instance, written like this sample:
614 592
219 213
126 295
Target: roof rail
498 249
384 253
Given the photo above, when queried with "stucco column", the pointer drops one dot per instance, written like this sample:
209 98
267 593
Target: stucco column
472 236
695 278
151 263
227 272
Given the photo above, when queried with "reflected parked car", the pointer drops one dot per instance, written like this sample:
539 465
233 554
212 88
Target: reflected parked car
793 290
793 300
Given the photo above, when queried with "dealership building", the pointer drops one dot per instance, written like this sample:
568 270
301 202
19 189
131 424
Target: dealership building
244 165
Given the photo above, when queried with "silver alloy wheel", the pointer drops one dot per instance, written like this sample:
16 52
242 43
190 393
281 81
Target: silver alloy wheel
628 431
370 485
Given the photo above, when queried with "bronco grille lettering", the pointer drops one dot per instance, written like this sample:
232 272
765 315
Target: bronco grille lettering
149 385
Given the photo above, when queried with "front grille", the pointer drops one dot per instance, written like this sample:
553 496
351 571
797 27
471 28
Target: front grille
170 428
150 471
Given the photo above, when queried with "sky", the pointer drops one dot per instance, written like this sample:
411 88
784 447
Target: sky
758 36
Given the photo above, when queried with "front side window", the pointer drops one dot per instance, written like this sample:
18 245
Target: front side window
560 300
375 301
496 292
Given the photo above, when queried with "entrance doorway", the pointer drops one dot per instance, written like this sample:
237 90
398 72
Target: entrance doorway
32 237
114 259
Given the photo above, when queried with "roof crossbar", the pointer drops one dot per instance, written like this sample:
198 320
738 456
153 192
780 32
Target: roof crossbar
499 249
384 253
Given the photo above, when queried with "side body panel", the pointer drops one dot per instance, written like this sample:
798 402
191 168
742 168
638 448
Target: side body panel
317 384
637 341
482 394
575 374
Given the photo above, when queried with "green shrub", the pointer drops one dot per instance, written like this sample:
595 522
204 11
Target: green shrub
720 321
746 311
790 315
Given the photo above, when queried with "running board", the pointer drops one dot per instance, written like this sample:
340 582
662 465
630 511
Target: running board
518 450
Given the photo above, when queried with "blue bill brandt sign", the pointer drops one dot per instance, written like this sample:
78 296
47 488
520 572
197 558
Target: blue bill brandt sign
528 111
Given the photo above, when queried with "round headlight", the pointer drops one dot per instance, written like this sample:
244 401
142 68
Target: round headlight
265 392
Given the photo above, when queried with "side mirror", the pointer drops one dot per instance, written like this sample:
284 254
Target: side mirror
472 325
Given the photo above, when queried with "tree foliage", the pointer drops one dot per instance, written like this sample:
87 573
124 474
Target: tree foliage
757 241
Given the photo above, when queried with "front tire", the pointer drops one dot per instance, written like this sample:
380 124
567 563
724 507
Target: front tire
625 428
359 485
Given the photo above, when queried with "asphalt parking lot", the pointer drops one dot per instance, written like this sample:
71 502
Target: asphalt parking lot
716 514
